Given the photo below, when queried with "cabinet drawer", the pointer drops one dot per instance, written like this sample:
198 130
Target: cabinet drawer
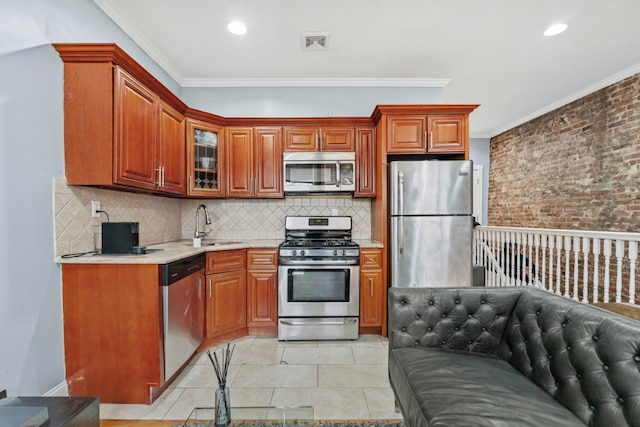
262 259
370 258
219 262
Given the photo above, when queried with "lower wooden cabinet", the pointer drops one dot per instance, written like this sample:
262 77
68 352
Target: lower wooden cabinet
372 291
226 298
262 291
113 331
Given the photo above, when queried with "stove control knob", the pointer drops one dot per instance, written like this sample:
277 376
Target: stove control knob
294 252
335 252
302 252
344 252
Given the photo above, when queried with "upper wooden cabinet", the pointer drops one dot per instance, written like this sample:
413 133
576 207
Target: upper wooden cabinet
313 138
425 129
254 162
122 128
365 162
205 158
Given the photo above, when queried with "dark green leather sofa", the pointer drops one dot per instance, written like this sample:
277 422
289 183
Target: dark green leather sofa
511 357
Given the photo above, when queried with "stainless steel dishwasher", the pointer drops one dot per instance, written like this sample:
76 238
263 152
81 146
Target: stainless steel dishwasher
183 288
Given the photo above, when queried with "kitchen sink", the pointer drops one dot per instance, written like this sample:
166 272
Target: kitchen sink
212 243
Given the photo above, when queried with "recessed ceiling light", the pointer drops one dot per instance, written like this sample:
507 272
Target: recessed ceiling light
237 27
555 29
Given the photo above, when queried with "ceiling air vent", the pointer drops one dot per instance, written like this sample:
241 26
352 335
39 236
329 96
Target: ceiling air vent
315 41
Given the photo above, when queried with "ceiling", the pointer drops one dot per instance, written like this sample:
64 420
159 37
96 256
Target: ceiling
487 52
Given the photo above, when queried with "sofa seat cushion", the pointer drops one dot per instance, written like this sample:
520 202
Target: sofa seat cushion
438 388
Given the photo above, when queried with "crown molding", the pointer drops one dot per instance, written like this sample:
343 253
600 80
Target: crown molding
614 78
315 82
138 38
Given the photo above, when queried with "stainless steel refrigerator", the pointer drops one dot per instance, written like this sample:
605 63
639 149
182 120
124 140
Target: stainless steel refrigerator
431 223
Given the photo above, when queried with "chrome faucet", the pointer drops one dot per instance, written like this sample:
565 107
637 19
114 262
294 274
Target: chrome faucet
207 220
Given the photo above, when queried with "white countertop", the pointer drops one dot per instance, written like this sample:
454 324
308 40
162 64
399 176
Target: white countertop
174 251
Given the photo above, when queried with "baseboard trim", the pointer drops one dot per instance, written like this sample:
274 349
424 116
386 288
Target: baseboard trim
60 390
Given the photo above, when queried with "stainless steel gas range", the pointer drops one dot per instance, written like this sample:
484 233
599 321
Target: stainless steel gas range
318 279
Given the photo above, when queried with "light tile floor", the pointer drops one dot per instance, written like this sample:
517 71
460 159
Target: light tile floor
342 380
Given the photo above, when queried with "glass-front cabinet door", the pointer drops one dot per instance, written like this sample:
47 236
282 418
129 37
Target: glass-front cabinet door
204 157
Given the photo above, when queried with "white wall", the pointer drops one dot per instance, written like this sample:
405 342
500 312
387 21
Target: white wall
31 155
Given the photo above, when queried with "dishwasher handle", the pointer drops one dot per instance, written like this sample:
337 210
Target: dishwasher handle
177 270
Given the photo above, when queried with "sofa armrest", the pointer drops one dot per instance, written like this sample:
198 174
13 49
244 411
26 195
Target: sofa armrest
465 319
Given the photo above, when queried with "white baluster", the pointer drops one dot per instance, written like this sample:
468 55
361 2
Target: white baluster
633 256
585 271
543 243
552 242
558 269
619 256
517 254
536 243
607 264
576 269
567 271
596 275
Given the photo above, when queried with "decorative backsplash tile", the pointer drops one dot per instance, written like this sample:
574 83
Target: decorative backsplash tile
164 219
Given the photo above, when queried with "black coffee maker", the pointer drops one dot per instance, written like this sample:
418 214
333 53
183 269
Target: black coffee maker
119 237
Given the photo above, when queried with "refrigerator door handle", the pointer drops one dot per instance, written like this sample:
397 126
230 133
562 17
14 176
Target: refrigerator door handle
400 193
400 239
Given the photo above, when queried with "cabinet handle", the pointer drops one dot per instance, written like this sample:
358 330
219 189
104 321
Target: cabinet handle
159 181
431 137
317 141
426 139
371 286
210 286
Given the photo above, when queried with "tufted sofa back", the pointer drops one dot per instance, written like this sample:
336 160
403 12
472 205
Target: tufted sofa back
587 358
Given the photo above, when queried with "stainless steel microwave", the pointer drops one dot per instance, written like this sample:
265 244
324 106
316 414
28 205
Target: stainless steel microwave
319 172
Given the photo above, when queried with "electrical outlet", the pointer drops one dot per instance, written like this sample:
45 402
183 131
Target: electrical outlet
95 209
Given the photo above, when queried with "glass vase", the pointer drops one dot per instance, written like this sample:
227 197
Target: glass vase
223 408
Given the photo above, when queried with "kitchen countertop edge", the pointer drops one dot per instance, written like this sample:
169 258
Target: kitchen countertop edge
174 251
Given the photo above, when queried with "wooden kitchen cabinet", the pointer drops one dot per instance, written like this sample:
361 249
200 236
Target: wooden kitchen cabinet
254 160
365 162
427 134
262 291
113 337
447 134
205 158
226 297
372 291
313 138
122 128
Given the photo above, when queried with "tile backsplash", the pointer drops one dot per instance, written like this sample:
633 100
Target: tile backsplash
165 219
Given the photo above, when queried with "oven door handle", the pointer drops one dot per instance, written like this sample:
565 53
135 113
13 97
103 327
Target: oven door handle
318 322
329 262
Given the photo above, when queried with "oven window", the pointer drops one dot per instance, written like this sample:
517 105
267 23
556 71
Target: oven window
318 285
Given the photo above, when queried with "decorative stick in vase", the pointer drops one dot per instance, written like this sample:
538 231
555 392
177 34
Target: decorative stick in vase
221 368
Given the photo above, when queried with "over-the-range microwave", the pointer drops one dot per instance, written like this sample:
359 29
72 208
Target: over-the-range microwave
319 172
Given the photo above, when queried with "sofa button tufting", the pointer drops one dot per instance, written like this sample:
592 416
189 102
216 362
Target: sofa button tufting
579 376
595 338
417 316
497 316
429 329
469 316
417 343
484 329
404 329
443 342
537 313
470 342
564 325
592 408
457 301
457 329
636 358
402 302
542 333
605 368
568 348
482 301
620 400
431 302
549 356
444 315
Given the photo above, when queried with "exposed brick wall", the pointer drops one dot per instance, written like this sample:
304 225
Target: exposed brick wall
577 167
